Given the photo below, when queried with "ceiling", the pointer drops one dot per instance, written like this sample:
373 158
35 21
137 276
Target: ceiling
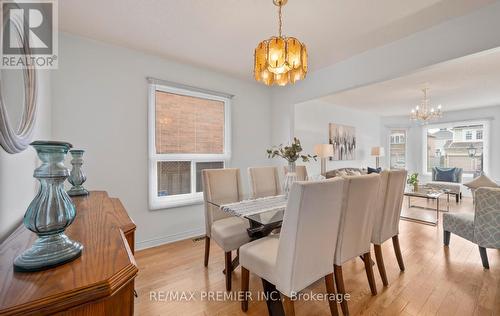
463 83
222 34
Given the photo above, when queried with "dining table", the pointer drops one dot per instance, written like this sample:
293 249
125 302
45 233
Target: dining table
264 215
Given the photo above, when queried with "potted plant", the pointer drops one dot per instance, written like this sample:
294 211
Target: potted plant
291 154
413 181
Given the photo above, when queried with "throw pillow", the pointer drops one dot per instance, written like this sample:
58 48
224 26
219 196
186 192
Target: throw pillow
374 170
446 175
481 182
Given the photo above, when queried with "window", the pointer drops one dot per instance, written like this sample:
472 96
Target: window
397 149
468 135
460 144
188 132
479 135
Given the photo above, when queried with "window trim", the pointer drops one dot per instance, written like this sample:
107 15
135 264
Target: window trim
485 140
164 202
405 129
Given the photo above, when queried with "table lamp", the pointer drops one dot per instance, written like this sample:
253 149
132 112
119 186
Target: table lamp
323 151
378 152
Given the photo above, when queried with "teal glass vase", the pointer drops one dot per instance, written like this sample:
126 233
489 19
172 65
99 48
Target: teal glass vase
76 176
50 212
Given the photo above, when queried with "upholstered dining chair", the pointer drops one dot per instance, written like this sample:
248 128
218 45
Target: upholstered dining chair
386 223
302 253
264 181
301 172
356 225
229 232
481 227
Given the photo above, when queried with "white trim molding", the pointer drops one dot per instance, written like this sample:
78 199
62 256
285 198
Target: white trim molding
162 202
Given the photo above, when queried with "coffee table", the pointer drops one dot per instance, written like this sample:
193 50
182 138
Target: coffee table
427 193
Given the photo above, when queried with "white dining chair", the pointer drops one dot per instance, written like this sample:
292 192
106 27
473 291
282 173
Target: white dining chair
264 181
301 172
386 223
302 253
229 232
356 225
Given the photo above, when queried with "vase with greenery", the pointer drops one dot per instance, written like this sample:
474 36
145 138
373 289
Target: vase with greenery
413 181
291 154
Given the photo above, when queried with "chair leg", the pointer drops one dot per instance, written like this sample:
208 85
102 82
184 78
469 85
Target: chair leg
339 281
369 272
245 281
331 294
228 270
484 257
446 238
207 249
288 306
380 264
457 197
397 250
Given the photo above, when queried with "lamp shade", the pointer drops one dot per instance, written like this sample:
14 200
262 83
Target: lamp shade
378 151
323 150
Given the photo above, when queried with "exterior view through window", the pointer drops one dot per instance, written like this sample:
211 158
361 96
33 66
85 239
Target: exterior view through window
398 149
460 146
189 136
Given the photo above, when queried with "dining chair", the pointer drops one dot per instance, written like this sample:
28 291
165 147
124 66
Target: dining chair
264 181
302 253
481 227
229 232
356 226
386 223
301 172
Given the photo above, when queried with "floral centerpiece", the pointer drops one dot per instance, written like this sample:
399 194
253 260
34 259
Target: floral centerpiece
290 153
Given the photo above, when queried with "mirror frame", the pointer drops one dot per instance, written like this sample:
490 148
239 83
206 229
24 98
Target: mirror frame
16 139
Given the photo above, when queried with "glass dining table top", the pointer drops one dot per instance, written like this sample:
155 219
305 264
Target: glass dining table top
260 212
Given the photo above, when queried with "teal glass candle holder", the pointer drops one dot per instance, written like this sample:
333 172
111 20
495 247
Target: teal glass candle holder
50 212
76 176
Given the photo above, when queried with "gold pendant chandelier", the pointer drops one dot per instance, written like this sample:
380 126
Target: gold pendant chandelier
280 60
425 111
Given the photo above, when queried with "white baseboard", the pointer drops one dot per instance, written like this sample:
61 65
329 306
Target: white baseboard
157 241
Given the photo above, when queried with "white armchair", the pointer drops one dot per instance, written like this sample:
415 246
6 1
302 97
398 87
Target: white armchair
386 224
302 253
229 232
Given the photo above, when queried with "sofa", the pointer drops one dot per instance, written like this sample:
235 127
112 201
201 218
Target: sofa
447 179
344 172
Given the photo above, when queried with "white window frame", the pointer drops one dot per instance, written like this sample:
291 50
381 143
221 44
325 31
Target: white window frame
485 140
405 129
162 202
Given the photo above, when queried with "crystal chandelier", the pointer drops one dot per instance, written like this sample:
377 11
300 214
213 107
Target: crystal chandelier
425 112
280 60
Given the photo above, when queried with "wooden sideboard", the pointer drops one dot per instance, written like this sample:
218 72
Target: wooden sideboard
100 282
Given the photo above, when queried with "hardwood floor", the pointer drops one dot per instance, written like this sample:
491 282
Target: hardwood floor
437 280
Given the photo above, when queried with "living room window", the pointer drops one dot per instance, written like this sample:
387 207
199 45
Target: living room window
189 131
397 149
459 144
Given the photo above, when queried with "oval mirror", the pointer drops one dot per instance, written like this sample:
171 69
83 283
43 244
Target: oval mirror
17 100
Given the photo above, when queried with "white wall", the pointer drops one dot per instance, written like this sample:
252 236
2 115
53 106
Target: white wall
455 38
311 127
415 132
100 104
17 185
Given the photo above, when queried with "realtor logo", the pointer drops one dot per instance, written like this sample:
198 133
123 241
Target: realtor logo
29 34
